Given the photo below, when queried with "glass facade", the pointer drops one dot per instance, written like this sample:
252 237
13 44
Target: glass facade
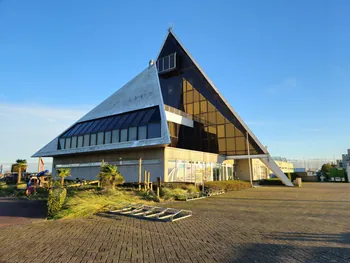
216 129
128 126
198 172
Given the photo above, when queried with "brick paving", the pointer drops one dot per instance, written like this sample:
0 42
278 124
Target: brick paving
274 224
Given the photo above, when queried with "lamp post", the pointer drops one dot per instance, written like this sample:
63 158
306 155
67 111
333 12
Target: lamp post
250 165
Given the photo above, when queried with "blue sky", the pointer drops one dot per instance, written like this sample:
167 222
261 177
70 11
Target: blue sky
283 65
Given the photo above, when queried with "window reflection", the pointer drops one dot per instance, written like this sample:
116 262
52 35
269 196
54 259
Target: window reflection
216 129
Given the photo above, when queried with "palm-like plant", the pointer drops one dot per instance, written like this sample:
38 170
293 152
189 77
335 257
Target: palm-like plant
109 173
63 173
21 165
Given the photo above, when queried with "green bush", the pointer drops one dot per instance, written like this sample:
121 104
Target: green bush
229 185
8 190
173 194
22 186
55 201
149 196
191 188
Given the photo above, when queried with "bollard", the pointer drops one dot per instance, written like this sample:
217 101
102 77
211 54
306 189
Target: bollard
158 195
149 179
299 182
140 173
151 186
145 180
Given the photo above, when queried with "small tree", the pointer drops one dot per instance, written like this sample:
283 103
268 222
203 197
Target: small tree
109 173
21 165
63 173
326 168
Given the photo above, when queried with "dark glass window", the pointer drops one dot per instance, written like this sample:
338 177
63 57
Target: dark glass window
98 125
123 135
80 141
166 63
132 134
86 140
129 120
115 136
121 127
74 142
147 116
67 145
138 118
93 125
93 138
76 132
153 130
142 130
62 141
108 137
189 87
172 61
106 124
160 65
113 123
70 132
86 127
100 137
120 122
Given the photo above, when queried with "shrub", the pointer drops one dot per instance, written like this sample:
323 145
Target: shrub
110 176
149 196
8 190
176 185
22 186
173 194
229 185
192 188
55 201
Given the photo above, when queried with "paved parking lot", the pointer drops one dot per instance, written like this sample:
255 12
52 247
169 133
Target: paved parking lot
275 224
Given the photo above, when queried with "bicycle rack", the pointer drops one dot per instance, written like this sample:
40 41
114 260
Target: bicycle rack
152 212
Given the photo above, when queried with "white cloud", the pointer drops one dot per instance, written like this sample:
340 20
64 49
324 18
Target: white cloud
285 85
29 127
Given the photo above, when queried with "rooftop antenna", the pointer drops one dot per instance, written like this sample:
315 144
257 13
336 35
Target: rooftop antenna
170 28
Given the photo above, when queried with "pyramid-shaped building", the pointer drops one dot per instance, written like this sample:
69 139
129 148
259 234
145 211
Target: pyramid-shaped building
170 120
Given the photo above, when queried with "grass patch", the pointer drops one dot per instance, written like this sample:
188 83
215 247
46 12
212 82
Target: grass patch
179 191
229 185
89 200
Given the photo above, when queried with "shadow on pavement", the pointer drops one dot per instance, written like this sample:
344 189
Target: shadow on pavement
10 207
343 238
288 253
